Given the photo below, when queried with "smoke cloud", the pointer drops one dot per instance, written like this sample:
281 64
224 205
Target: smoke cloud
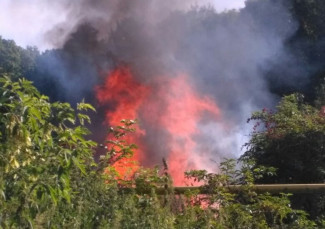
28 22
225 54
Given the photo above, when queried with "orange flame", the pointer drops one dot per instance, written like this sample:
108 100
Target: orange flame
183 112
183 108
127 95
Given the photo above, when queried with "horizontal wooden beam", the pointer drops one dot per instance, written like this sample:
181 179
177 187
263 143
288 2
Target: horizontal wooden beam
270 188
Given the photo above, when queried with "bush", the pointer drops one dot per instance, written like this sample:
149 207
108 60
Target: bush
48 178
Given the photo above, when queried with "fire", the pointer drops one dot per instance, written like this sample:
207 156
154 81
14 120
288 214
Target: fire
169 104
183 112
121 90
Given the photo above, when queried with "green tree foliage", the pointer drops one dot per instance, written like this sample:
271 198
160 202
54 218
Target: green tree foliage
310 15
292 139
41 147
16 60
308 43
294 134
48 178
9 57
245 209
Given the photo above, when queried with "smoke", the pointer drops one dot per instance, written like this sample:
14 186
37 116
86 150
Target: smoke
226 55
29 22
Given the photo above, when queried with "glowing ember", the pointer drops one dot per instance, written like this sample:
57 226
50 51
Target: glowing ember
173 106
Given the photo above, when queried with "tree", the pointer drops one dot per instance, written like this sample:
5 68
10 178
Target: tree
16 60
10 60
291 139
41 149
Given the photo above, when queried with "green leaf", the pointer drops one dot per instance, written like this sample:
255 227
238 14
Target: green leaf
79 165
85 106
53 194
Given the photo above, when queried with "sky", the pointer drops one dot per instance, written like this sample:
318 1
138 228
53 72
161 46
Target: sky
27 22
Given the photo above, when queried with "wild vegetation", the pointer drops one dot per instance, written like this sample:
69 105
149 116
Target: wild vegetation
49 178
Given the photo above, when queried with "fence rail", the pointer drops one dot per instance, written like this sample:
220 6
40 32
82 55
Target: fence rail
270 188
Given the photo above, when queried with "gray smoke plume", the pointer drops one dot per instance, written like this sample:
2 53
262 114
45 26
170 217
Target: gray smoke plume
227 56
